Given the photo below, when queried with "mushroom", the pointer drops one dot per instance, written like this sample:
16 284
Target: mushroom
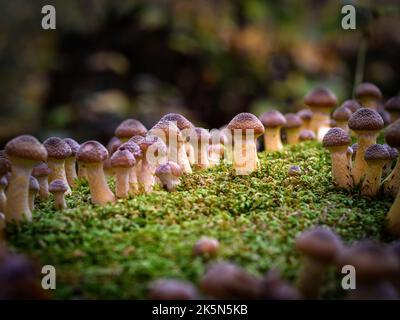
228 144
366 124
321 101
206 246
294 171
92 154
351 104
133 148
41 172
113 145
393 107
341 116
337 142
169 174
391 184
349 154
273 121
122 161
33 191
354 148
387 119
375 266
368 95
70 162
200 138
306 116
245 128
376 156
171 289
307 135
58 151
276 288
58 188
129 128
394 153
293 127
3 198
24 152
215 153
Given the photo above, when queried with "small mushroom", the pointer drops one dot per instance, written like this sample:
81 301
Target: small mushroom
307 135
92 154
171 289
199 139
337 142
394 153
245 129
206 246
273 122
349 154
129 128
122 161
366 124
294 171
293 127
368 95
215 153
24 153
133 148
320 247
169 174
276 288
113 145
228 144
33 191
393 107
391 183
354 147
341 116
58 188
376 156
352 105
41 172
3 198
306 116
70 162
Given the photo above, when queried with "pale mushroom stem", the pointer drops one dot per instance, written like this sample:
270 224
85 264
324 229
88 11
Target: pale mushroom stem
70 171
393 216
57 168
392 182
122 181
190 153
311 278
372 181
99 190
245 159
340 169
133 178
60 201
44 187
201 157
183 160
31 200
81 171
3 200
318 120
146 176
272 139
364 140
214 155
228 153
293 135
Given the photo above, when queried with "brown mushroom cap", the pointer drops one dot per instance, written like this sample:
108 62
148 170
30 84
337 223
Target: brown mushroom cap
26 147
133 148
365 119
92 152
122 159
168 128
368 90
272 119
393 104
181 122
321 98
169 168
319 243
351 104
307 135
33 184
58 185
293 121
155 142
393 152
136 139
41 170
392 134
73 145
130 128
246 121
170 289
112 145
376 152
341 114
336 137
305 114
57 148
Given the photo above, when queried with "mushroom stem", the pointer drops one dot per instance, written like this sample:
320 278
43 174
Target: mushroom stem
133 178
190 153
201 155
183 160
392 182
318 120
81 171
245 159
393 216
70 171
3 200
340 168
60 203
122 181
99 190
272 139
31 200
372 181
311 278
364 140
44 187
293 135
146 176
57 168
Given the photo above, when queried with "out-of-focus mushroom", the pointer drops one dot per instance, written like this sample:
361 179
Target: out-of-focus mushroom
394 153
276 288
351 104
391 184
228 145
24 153
134 148
171 289
113 145
129 128
200 138
245 129
376 156
215 153
366 124
368 95
33 191
169 174
92 154
393 107
307 135
58 188
293 127
206 247
306 116
354 147
341 116
3 198
273 121
122 161
387 119
294 171
70 162
349 154
41 172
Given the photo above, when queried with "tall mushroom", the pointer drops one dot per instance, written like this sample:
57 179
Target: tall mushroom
245 129
41 172
341 116
393 107
70 162
337 142
306 116
391 184
58 151
92 154
24 153
129 128
122 162
33 191
200 138
3 198
169 174
273 122
58 188
292 128
366 124
368 95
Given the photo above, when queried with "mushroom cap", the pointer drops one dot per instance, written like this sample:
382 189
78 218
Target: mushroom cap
246 121
155 143
365 119
57 148
393 152
392 134
92 152
367 90
180 121
113 145
341 114
320 243
167 130
122 159
371 260
293 121
136 139
305 114
351 104
73 145
41 170
200 134
321 98
133 148
129 128
169 168
33 184
376 152
3 181
294 171
171 289
393 104
26 147
307 135
58 185
386 117
336 137
354 147
272 119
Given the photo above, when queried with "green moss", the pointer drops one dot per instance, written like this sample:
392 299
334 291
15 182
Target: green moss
115 250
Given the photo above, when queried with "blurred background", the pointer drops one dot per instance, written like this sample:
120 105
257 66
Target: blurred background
209 60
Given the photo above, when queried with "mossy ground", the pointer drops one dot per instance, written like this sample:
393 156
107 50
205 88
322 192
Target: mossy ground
115 250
